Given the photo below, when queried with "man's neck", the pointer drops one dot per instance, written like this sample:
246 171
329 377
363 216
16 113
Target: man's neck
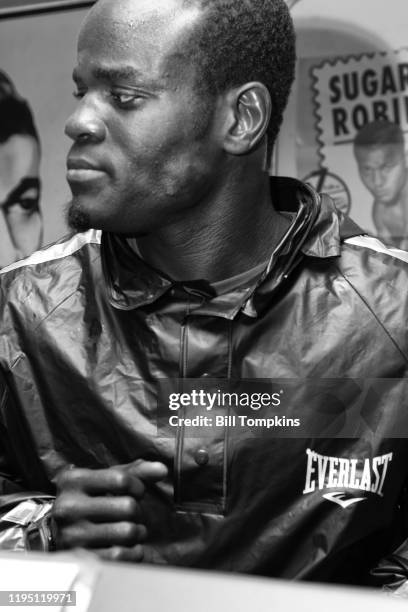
219 239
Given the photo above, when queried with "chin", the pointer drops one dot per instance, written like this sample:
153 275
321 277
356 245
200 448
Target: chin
77 219
80 220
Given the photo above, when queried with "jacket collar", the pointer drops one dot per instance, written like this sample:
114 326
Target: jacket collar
316 231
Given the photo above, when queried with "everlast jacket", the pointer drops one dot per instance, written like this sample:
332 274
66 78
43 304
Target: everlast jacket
89 332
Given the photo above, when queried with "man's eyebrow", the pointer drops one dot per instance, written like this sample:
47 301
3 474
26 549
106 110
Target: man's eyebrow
112 74
128 75
117 74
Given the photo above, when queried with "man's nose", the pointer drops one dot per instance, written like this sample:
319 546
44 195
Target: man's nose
85 123
378 178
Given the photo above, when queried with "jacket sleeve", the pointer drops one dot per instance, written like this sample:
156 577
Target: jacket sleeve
392 571
25 515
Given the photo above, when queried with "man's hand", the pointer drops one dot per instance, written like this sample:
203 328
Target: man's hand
100 510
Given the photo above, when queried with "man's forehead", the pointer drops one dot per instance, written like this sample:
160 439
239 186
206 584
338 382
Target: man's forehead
380 153
116 35
125 21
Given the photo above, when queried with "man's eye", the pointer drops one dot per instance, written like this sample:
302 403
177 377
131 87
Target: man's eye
126 100
29 205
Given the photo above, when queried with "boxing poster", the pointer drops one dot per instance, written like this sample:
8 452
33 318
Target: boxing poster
360 114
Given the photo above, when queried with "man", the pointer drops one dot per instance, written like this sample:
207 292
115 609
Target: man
20 218
380 153
203 270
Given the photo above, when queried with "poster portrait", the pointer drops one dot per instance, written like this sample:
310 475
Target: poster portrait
37 51
350 111
21 225
361 109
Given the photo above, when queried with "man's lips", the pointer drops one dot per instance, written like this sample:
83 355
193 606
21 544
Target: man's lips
80 169
382 195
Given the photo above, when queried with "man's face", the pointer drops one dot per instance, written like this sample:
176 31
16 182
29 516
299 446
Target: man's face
20 191
141 154
383 170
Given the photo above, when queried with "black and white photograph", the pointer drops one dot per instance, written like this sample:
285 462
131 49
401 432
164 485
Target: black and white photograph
203 305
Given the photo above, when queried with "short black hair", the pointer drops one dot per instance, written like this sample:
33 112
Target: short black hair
16 117
238 41
377 133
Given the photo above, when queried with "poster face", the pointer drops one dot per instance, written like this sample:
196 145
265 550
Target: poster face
21 225
37 57
354 140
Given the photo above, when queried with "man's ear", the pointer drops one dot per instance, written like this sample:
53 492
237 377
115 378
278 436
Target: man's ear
249 112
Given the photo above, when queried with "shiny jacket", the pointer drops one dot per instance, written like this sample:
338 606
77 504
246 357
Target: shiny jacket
88 328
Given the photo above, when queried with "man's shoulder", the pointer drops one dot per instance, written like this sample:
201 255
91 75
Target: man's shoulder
68 250
378 276
45 278
373 256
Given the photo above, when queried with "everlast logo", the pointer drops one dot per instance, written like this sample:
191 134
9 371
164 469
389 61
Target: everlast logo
325 472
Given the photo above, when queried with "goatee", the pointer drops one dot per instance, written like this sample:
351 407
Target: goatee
76 218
